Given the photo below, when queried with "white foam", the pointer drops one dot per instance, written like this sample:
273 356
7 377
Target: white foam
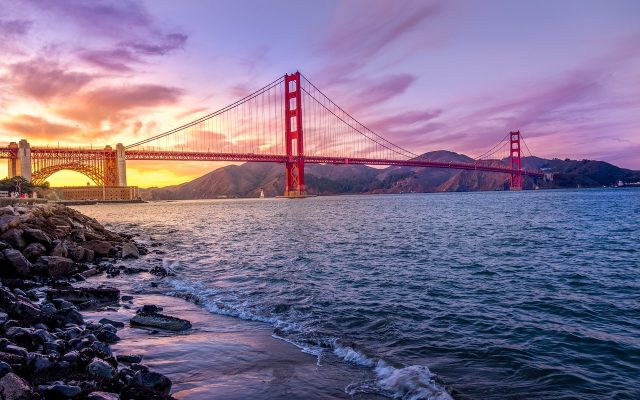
415 382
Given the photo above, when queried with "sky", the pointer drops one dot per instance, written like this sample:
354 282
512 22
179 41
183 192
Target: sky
427 75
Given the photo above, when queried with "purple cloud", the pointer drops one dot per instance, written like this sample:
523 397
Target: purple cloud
118 60
405 118
352 42
109 18
13 28
162 46
383 90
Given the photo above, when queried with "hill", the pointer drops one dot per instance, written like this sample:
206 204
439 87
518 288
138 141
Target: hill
248 179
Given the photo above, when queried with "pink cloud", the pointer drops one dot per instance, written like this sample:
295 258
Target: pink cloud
44 80
352 42
119 60
37 127
117 103
382 90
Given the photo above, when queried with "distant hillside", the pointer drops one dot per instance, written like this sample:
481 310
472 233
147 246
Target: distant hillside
248 179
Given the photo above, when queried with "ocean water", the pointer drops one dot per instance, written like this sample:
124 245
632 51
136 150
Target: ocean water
493 295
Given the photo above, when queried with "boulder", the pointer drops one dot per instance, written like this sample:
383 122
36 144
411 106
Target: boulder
75 252
33 251
59 391
101 248
12 387
18 265
117 324
129 250
7 221
153 380
100 369
59 250
19 307
129 358
156 320
84 294
103 396
56 266
4 368
15 238
36 235
11 359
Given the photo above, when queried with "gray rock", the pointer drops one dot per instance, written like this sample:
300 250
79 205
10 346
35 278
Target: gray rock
18 350
103 396
14 238
4 317
11 359
38 363
76 253
129 358
33 251
18 307
80 295
56 266
102 348
4 368
153 380
36 235
107 336
111 322
59 250
89 305
44 336
100 369
18 265
129 250
101 248
71 357
12 387
62 391
161 321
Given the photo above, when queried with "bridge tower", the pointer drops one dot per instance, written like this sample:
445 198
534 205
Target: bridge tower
293 137
24 160
514 156
12 161
121 165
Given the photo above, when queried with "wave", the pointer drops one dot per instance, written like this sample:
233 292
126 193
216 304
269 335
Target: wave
415 382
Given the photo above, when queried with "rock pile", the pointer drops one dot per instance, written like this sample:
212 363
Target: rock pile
47 350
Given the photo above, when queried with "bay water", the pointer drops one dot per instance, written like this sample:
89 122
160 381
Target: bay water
493 295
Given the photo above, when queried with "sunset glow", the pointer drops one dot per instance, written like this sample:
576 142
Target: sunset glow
427 75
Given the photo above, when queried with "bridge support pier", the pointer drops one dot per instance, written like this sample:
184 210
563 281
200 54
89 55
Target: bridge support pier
12 162
121 165
294 144
23 160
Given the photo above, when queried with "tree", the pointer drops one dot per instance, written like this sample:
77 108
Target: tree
20 185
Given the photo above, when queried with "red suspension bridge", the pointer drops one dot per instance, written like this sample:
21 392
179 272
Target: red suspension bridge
289 121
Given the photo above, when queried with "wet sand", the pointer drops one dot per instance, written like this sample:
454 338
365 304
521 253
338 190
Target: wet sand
224 357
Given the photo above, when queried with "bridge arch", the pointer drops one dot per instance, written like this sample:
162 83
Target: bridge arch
98 165
40 177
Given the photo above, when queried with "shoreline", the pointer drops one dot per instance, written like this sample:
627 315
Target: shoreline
47 348
87 347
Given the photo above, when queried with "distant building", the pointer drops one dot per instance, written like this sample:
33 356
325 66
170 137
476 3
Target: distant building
97 192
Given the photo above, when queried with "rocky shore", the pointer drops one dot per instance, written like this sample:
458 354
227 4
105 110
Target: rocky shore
47 349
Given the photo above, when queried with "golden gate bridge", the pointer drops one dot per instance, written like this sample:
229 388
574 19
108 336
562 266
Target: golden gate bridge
289 121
